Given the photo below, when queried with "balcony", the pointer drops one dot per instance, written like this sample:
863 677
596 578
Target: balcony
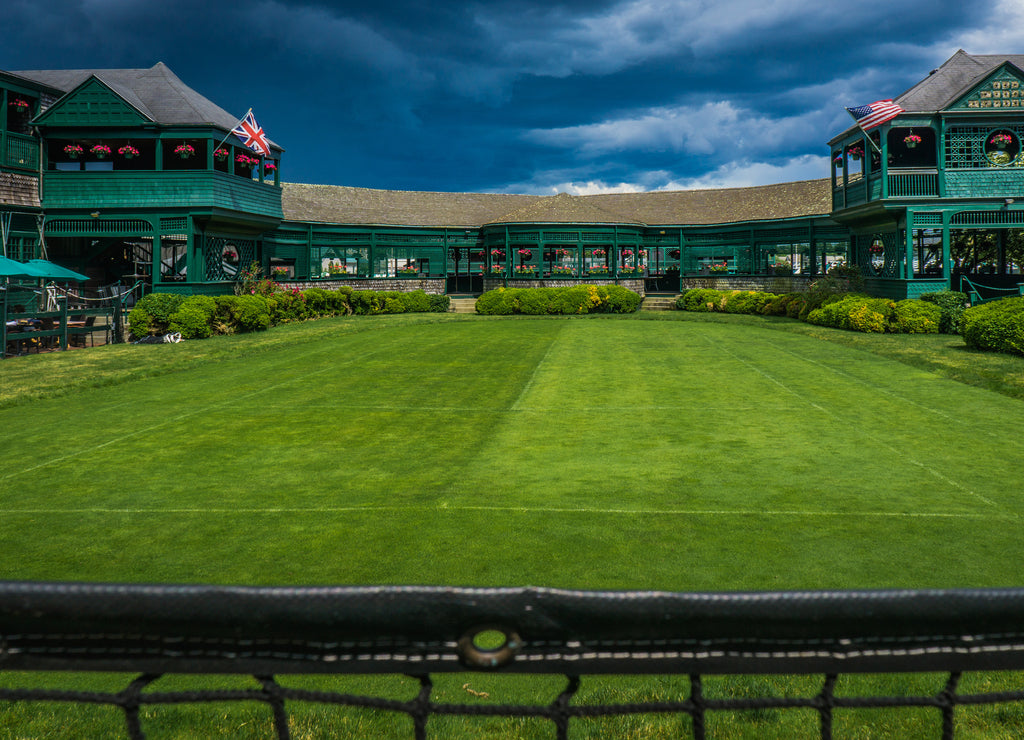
140 189
913 184
20 152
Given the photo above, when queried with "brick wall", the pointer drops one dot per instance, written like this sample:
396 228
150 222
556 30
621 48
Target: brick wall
430 286
634 284
762 283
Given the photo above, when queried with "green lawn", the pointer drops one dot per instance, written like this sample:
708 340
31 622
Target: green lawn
673 452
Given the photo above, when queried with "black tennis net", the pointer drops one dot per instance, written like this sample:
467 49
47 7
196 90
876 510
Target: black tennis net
266 632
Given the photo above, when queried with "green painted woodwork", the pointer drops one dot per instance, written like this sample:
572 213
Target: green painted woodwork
914 185
20 152
985 184
195 189
1002 89
91 104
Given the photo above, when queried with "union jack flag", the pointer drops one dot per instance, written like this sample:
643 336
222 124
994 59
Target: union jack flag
874 114
252 134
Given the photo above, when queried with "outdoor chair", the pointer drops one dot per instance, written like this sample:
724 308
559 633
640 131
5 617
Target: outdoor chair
76 334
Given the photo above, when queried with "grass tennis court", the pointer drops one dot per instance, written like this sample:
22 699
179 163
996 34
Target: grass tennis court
674 453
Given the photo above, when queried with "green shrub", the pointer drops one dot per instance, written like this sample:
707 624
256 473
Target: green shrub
777 305
194 318
699 299
440 303
140 323
158 307
191 322
855 313
575 299
915 317
953 304
243 312
997 326
498 302
416 301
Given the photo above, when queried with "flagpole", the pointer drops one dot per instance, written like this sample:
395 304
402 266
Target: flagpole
865 132
232 130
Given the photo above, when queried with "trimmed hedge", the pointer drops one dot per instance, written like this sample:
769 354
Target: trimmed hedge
997 326
197 317
824 306
953 304
575 299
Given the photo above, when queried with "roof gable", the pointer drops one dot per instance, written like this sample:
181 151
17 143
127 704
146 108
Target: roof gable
1002 88
92 103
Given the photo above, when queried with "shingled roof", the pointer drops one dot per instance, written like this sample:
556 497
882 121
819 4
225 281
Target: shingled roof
951 80
157 93
346 205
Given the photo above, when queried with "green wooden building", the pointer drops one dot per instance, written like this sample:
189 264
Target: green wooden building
129 175
943 177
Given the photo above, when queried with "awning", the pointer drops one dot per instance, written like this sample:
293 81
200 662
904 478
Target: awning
53 271
13 268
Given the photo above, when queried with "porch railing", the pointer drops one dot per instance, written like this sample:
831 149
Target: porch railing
20 151
913 184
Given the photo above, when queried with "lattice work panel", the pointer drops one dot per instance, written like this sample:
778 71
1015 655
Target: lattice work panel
176 225
928 219
220 264
965 146
988 218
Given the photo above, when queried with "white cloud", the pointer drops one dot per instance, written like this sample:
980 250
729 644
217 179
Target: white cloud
1001 32
744 174
715 127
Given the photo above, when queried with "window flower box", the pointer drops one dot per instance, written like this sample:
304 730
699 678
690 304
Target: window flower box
526 270
497 270
562 271
408 270
279 272
601 270
245 161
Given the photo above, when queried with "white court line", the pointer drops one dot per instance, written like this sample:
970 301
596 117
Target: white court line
533 376
187 415
527 510
860 430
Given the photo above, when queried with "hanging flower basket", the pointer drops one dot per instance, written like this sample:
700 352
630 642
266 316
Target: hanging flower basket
245 161
73 151
1001 140
673 254
230 256
221 154
128 151
855 153
269 168
598 253
100 151
912 141
185 150
526 254
497 252
19 105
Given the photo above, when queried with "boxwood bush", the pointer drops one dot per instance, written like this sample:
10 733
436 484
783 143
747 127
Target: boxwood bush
953 303
575 299
152 314
997 326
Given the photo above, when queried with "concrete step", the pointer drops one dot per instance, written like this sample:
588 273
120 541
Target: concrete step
658 303
463 305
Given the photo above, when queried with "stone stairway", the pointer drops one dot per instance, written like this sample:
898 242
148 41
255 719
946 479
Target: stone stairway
659 302
463 305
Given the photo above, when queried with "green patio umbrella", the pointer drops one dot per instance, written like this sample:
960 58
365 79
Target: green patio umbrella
53 271
12 268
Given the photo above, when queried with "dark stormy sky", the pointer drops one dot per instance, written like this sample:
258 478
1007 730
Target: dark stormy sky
529 96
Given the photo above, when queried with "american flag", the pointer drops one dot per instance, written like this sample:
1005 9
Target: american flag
250 132
874 114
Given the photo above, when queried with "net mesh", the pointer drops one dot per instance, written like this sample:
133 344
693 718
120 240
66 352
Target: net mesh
153 631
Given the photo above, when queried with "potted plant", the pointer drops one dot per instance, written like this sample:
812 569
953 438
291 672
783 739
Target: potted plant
73 151
245 161
497 269
526 254
526 270
599 270
279 272
838 162
269 168
229 255
408 270
564 270
1001 140
498 253
912 140
185 151
598 253
856 152
221 154
128 151
19 105
100 151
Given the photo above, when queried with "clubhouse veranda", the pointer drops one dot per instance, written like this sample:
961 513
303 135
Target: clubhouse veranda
119 174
